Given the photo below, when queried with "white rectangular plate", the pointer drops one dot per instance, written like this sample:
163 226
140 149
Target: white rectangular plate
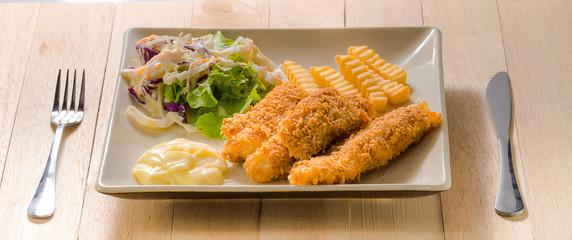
423 167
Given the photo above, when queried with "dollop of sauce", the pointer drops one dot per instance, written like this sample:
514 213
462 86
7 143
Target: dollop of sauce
180 162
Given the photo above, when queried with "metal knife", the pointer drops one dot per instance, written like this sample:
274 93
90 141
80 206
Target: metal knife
508 200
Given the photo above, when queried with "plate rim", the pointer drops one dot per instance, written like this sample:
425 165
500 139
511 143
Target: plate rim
343 188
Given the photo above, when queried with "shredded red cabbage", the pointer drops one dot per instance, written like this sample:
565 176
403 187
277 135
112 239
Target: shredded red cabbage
150 85
174 107
203 51
153 82
134 94
184 116
203 78
198 46
146 53
146 90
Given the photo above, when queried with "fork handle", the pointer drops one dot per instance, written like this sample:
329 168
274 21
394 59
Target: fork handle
44 201
508 201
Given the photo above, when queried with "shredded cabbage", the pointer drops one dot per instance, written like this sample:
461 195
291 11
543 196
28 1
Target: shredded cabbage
196 81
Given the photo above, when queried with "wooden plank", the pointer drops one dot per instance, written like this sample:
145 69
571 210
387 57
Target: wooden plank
383 13
108 217
216 219
19 22
232 218
305 218
472 54
306 14
538 58
232 13
58 44
392 218
399 218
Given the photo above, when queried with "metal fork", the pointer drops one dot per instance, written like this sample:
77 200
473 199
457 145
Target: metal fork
43 203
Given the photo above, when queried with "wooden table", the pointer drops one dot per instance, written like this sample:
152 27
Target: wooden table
528 38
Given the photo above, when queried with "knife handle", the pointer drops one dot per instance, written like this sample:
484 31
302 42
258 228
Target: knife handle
508 201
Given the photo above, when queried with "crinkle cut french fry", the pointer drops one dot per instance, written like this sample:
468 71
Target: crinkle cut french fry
377 64
328 77
358 74
300 76
396 93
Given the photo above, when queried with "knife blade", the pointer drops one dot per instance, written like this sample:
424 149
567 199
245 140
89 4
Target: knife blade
508 202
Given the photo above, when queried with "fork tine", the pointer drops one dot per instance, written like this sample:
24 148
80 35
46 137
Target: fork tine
82 92
56 106
72 104
65 104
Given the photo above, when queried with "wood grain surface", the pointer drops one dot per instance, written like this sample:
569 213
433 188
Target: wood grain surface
233 218
386 13
19 22
232 13
538 52
401 216
306 14
58 43
305 218
106 217
529 39
474 37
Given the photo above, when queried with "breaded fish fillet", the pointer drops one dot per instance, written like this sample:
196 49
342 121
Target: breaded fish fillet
364 104
271 161
318 120
372 147
246 132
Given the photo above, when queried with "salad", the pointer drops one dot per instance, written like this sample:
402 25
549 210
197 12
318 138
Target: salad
196 82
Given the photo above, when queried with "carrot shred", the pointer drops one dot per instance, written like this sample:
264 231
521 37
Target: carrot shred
203 61
208 59
146 39
250 51
140 70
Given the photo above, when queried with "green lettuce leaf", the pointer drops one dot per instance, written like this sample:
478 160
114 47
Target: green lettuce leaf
238 81
210 124
209 120
236 57
202 95
224 92
174 92
221 41
252 99
170 94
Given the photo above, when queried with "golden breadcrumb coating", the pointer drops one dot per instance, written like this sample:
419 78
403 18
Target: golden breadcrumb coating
318 120
372 147
270 161
246 132
364 104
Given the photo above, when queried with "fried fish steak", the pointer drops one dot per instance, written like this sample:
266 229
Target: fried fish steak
272 160
364 104
372 147
318 120
246 132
